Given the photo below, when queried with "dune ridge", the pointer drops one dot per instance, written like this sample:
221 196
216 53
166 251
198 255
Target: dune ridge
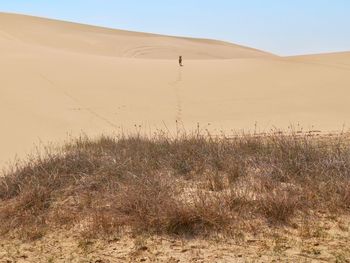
87 39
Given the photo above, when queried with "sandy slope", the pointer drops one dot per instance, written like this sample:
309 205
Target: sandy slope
61 78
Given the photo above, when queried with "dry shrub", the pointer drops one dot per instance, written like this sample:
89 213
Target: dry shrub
189 185
144 201
151 204
279 206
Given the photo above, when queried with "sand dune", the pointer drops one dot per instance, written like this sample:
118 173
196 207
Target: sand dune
339 60
78 38
60 78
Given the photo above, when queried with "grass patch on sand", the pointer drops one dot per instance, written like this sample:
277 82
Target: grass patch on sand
192 185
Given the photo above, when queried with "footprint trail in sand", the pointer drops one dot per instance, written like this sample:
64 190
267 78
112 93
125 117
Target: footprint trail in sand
177 91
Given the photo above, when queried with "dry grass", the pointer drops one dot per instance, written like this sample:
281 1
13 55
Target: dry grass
190 185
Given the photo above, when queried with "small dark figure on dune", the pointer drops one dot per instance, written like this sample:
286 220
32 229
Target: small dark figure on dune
180 61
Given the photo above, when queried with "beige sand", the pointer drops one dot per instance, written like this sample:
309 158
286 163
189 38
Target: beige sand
60 78
327 242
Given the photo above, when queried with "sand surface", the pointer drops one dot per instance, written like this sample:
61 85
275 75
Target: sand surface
328 242
59 79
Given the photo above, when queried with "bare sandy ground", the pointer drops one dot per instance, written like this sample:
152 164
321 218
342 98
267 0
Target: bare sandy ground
59 79
325 242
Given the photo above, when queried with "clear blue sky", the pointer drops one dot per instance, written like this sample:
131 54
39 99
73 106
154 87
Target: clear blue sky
283 27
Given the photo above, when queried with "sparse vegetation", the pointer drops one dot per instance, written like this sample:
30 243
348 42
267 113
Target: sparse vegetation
190 185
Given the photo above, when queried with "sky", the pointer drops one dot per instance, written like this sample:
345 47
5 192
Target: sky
283 27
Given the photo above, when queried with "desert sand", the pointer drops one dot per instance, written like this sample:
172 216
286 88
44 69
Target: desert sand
280 247
60 79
